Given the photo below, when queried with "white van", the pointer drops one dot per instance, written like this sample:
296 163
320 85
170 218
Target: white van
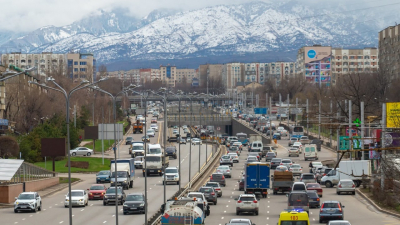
256 146
154 149
310 152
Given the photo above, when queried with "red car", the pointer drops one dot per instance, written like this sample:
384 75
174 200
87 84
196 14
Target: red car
241 184
97 191
315 186
153 120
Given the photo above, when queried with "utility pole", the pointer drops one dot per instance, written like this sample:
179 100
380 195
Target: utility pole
337 132
362 131
297 105
383 158
266 100
350 130
270 114
330 129
288 109
319 119
75 116
102 135
307 114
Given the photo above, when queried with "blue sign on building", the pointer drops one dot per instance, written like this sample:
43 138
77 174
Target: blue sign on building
260 110
3 122
195 82
311 54
168 72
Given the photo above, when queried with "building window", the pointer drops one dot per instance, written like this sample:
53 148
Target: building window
76 63
83 63
75 69
83 69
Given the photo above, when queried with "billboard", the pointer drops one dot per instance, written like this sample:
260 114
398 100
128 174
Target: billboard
317 60
393 114
53 147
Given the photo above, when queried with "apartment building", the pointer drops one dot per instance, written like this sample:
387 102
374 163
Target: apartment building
46 62
314 64
278 71
389 47
168 75
81 66
346 61
210 71
185 75
231 74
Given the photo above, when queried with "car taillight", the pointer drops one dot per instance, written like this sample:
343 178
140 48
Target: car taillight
218 189
290 164
340 208
322 207
301 179
324 174
353 186
223 178
210 178
300 169
239 201
255 201
317 199
228 171
212 193
291 169
340 185
281 164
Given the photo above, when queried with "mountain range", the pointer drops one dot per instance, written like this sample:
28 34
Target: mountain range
255 31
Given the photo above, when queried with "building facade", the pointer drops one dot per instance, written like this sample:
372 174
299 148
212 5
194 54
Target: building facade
185 75
231 74
314 64
46 62
277 71
210 71
168 75
81 66
389 47
345 61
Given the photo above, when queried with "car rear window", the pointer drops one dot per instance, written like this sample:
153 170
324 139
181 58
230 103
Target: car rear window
212 184
247 199
217 175
308 176
286 161
298 187
271 154
312 194
276 160
330 205
298 199
313 186
205 190
294 222
347 182
226 157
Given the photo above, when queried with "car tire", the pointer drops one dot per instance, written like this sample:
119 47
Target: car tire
40 207
35 209
353 193
320 221
237 213
88 154
15 211
104 203
124 213
144 174
328 184
177 182
215 203
338 193
256 212
65 206
73 154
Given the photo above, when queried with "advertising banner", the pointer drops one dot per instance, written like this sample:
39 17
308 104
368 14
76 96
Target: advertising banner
393 114
317 60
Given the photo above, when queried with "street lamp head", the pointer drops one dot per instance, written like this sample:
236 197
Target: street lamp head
84 81
50 79
103 79
30 68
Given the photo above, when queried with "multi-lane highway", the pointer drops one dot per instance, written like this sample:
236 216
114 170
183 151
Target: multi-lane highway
53 206
357 211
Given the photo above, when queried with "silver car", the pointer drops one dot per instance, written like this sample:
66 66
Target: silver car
216 187
292 141
286 162
224 170
296 169
346 186
81 151
234 156
308 178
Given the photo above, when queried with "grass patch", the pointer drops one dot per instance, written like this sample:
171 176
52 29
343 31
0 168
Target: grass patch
64 180
124 124
95 165
107 144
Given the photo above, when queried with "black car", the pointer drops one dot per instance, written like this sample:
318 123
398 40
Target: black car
134 203
313 199
210 194
275 162
318 143
171 151
128 140
109 196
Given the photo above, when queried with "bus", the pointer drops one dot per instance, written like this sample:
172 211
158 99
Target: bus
242 137
297 132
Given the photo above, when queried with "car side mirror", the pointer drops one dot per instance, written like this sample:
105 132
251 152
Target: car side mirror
343 206
88 189
16 198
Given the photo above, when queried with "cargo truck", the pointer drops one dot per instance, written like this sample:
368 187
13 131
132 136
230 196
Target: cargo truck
257 179
182 212
282 181
155 164
138 127
353 170
125 173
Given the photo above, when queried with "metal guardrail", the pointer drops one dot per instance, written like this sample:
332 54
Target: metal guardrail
187 187
205 118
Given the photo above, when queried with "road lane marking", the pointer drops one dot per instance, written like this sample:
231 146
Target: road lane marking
82 210
15 222
311 213
268 206
229 201
224 211
91 204
56 204
227 205
105 222
267 211
73 215
62 222
113 215
49 207
267 218
23 218
222 218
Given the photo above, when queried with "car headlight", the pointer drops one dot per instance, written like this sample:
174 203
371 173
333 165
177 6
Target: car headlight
80 200
67 199
112 181
142 204
126 205
124 181
16 203
176 175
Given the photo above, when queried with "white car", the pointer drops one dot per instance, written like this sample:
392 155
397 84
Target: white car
234 156
284 133
286 162
172 175
154 127
298 145
241 221
138 162
247 203
150 133
196 141
293 151
28 201
296 169
78 198
81 151
181 140
175 131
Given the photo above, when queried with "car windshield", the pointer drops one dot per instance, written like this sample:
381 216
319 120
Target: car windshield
150 131
103 173
308 176
134 198
226 157
26 196
137 148
171 170
212 184
276 160
76 194
317 164
129 138
119 174
155 151
97 187
299 222
112 191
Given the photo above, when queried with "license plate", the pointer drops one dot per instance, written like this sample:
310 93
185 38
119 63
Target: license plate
151 170
102 179
247 203
133 208
23 207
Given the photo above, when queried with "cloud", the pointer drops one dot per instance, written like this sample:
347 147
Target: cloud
28 15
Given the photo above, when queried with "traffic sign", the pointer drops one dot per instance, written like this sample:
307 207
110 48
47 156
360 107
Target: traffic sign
282 111
260 110
344 143
296 110
357 122
218 128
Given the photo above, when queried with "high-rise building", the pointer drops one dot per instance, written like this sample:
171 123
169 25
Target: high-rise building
185 74
314 64
278 71
346 61
81 66
210 70
389 47
231 74
168 75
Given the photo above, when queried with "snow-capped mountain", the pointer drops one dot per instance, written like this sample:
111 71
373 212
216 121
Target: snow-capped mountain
222 31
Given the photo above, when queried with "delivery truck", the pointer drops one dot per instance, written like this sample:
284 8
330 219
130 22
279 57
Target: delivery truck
125 173
282 181
257 179
353 170
182 212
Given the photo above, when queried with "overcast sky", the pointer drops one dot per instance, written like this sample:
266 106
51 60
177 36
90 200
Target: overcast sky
28 15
